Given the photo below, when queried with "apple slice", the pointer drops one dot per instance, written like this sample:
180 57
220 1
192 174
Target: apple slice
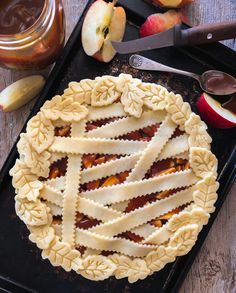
172 3
21 92
214 114
103 23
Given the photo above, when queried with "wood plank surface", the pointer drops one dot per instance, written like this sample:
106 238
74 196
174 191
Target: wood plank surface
214 270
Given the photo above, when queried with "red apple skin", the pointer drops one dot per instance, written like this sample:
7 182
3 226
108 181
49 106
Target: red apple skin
98 56
182 4
210 116
160 22
154 24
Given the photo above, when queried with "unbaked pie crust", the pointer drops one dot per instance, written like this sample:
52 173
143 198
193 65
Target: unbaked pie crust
134 105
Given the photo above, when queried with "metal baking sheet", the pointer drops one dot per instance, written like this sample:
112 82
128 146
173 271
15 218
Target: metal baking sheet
21 266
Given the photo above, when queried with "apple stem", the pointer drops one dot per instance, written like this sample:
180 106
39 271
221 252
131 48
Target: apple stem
114 2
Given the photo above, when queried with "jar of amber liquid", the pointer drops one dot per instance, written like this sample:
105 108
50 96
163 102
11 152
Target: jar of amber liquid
32 33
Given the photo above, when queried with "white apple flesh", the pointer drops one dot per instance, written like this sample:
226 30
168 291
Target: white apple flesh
21 92
116 33
214 114
103 23
96 20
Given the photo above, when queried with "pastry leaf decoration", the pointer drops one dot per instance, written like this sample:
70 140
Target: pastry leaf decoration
31 213
157 259
138 270
60 254
42 236
197 131
205 196
132 100
135 269
105 91
184 218
155 96
65 109
97 268
41 132
25 182
179 110
123 265
193 123
200 138
203 162
38 163
125 79
184 239
77 264
80 91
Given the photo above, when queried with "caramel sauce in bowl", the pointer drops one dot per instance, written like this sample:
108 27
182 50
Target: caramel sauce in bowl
32 33
218 82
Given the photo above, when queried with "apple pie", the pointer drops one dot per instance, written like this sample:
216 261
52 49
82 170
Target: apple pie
115 178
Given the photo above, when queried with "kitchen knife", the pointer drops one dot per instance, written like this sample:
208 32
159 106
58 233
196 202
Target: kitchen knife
175 36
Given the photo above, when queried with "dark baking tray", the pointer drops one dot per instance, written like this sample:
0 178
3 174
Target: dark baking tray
21 266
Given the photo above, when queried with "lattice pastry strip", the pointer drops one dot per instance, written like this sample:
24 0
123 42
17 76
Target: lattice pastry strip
142 231
70 196
175 146
119 127
116 244
114 220
86 206
131 190
145 192
152 151
103 146
114 110
143 215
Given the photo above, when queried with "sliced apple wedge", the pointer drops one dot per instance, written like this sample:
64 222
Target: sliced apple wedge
214 114
103 23
21 92
172 3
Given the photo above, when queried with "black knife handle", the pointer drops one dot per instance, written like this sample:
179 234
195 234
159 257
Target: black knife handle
206 33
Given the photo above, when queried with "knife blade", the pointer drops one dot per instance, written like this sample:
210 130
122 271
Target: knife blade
175 36
160 40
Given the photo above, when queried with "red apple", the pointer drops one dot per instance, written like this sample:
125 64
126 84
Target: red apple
160 22
214 114
103 23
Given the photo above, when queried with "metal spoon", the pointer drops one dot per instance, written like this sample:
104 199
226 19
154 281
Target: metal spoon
212 81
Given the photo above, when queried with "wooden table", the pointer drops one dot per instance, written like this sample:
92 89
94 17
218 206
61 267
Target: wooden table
214 270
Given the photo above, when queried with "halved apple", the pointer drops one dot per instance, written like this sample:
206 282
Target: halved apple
103 23
214 114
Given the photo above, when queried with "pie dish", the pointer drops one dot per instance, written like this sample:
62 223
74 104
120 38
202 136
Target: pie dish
115 178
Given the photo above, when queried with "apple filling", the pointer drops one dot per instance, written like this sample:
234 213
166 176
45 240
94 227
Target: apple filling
63 131
163 167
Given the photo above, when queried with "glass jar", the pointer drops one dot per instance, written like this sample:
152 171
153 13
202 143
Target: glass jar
40 44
